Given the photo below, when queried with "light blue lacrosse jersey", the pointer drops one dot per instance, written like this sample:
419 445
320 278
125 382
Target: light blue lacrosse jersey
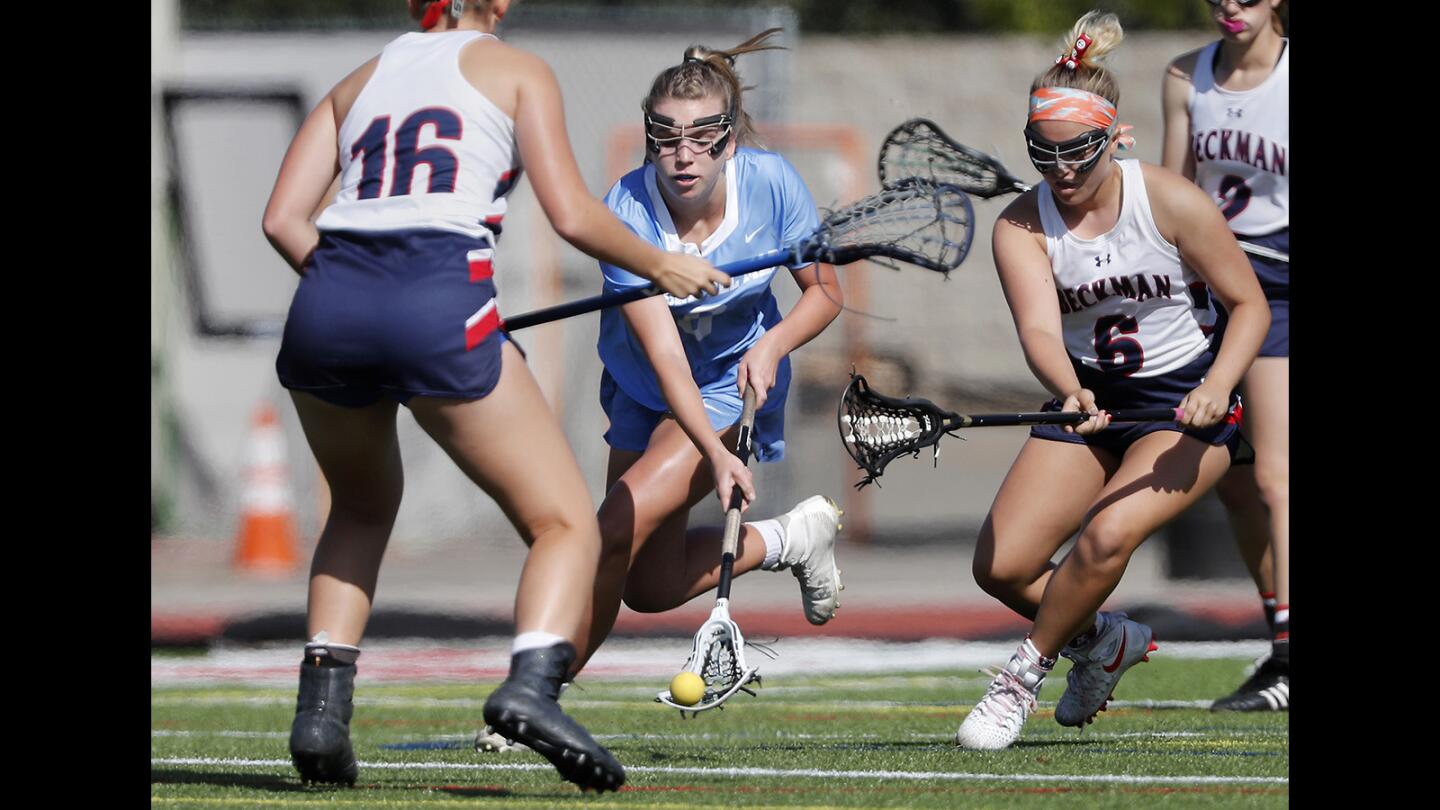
767 206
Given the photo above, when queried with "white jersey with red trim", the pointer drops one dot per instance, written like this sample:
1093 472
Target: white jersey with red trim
1128 305
422 148
1241 143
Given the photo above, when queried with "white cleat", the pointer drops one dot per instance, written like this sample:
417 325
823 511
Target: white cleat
808 550
996 720
490 741
1121 644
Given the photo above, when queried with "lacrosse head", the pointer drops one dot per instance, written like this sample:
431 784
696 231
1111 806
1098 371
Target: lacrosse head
718 656
876 428
919 148
917 221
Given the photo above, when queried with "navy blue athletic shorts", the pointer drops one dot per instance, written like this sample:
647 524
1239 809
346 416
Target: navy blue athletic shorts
1114 393
395 314
1274 276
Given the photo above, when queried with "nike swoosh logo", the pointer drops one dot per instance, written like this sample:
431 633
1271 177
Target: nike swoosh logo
1116 663
751 235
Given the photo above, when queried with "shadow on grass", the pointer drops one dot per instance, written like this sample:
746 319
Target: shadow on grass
292 784
256 781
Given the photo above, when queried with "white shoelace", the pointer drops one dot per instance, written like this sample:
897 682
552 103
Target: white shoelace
1008 690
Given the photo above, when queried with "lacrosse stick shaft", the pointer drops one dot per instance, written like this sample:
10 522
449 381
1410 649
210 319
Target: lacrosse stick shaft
594 302
731 540
956 421
1268 253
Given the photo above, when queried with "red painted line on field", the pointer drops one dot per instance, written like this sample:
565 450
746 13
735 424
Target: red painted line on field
474 790
185 629
954 620
957 620
1234 615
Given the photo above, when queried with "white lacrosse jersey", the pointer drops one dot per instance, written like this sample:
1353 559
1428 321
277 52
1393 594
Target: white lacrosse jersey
1128 305
1241 143
422 148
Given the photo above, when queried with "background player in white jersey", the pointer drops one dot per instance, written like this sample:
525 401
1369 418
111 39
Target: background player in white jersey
676 367
1105 267
1227 127
396 305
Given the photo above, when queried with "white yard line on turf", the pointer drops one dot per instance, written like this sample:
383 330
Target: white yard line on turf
488 659
781 772
758 735
793 705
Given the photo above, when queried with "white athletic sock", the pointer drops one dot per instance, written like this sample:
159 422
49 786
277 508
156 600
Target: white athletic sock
774 536
535 640
321 647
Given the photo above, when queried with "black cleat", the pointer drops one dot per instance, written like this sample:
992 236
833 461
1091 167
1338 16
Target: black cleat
1268 690
524 709
320 735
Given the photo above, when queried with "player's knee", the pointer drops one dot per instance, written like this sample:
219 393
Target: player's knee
377 507
1106 544
564 524
1273 481
616 534
999 579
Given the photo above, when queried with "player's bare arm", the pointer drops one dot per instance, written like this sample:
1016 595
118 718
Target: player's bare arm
1029 287
1175 153
1189 219
576 215
653 325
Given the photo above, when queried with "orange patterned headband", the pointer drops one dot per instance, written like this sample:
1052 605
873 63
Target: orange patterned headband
1071 104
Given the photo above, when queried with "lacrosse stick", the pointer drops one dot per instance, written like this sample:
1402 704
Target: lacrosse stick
919 148
920 222
877 429
718 652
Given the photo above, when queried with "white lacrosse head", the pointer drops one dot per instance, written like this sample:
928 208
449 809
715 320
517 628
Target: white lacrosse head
717 655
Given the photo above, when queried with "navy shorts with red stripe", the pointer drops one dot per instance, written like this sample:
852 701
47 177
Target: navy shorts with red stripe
393 314
1114 393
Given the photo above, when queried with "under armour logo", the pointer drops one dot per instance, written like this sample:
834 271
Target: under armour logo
1099 260
1233 112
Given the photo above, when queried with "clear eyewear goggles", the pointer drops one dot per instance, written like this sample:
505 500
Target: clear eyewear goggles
709 134
1077 154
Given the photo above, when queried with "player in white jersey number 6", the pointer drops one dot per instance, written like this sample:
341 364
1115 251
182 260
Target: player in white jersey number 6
1105 267
396 304
1227 127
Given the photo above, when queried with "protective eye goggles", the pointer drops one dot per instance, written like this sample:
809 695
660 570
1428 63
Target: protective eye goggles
709 134
1240 3
1077 154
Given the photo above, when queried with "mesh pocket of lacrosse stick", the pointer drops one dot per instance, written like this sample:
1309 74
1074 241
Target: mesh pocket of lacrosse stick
927 224
920 148
717 655
877 428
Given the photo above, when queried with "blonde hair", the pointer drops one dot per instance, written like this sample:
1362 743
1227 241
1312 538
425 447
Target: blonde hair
1105 33
706 72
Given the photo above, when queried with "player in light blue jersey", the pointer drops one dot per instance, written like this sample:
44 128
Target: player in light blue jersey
676 369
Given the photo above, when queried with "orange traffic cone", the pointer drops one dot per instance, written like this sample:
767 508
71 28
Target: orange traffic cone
266 542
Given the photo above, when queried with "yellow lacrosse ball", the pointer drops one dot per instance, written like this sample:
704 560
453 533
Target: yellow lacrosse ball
687 688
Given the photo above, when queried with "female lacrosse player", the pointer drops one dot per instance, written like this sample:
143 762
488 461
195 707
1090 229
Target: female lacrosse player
1105 267
1227 127
396 305
676 367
